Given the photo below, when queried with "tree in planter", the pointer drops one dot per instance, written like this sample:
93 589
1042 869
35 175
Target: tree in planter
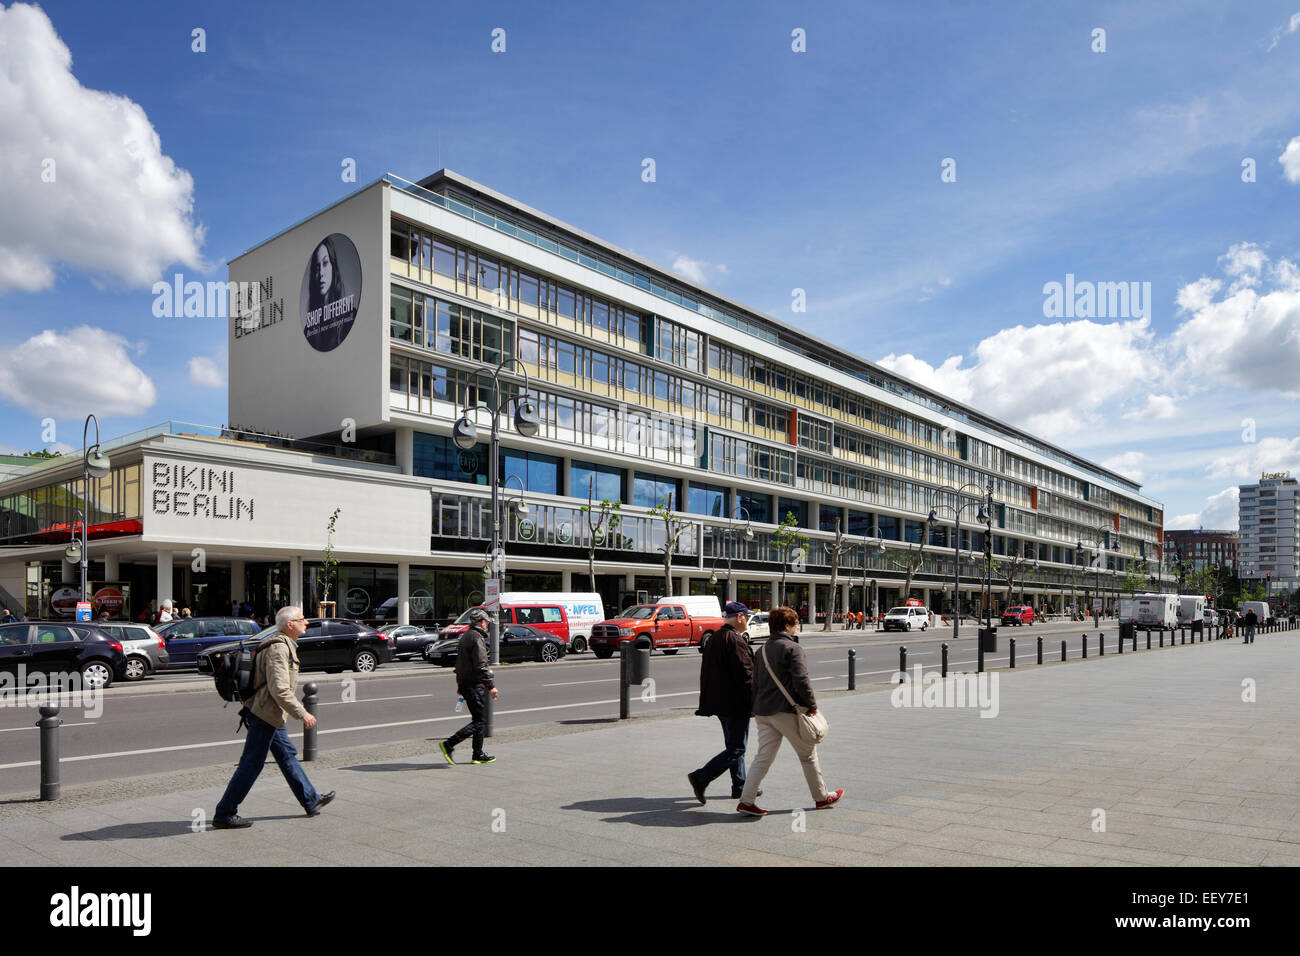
602 531
1008 569
836 551
787 540
330 565
1134 581
674 528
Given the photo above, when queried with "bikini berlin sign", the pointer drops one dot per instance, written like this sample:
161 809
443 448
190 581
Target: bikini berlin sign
197 491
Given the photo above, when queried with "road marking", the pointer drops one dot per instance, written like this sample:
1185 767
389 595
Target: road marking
569 682
9 730
333 730
370 700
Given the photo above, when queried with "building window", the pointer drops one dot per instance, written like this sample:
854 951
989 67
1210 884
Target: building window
435 456
649 491
600 482
539 473
707 500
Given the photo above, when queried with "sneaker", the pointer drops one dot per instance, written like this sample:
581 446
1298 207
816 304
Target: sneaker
736 794
830 801
232 823
483 758
750 809
697 787
446 752
314 810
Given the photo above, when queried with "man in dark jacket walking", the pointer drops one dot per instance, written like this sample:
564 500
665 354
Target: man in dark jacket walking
474 683
726 692
1250 621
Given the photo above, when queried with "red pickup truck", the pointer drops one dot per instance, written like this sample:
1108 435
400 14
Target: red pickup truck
670 626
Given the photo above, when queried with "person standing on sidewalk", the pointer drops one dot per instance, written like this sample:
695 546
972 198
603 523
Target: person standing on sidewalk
783 659
726 692
1251 620
275 680
474 683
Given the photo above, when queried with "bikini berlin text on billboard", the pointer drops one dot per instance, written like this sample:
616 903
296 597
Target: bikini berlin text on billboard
331 292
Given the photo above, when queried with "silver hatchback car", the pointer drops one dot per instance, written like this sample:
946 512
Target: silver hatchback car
145 650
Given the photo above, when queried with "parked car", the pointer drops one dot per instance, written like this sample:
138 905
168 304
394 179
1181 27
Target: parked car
145 649
906 618
189 637
758 627
54 647
671 624
1018 615
328 644
410 640
517 643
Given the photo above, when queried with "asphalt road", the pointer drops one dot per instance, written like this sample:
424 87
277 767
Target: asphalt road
176 721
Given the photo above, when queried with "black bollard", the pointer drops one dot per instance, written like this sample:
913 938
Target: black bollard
309 698
49 724
1040 649
1135 640
1182 635
1101 644
902 664
624 655
1013 652
1121 641
1162 636
853 669
1062 648
943 657
1085 647
1135 637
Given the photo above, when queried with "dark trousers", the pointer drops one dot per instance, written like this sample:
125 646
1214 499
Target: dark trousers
476 700
262 737
735 738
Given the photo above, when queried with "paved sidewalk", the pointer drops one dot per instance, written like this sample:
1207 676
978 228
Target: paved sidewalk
1185 770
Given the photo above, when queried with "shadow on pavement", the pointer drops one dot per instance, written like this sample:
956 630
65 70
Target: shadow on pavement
136 831
657 811
382 767
590 720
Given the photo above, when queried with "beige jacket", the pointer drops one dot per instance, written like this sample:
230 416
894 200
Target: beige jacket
276 681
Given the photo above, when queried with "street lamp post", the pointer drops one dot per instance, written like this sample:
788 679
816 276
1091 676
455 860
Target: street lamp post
96 464
465 435
869 604
730 533
984 503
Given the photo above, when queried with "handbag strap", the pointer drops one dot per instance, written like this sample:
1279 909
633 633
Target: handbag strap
776 680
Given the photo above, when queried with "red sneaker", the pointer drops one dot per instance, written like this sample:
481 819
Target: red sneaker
752 810
830 801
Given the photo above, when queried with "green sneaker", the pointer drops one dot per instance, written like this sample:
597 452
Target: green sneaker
442 745
483 758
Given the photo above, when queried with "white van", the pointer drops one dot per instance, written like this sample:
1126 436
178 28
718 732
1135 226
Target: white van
1155 610
583 611
1260 608
697 605
906 618
1191 610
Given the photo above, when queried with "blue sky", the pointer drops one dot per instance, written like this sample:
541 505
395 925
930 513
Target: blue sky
774 170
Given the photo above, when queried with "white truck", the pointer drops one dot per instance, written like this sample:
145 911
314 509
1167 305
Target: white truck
1259 607
583 610
1191 611
1155 610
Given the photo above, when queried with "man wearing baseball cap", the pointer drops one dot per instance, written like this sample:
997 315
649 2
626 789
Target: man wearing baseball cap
474 683
726 692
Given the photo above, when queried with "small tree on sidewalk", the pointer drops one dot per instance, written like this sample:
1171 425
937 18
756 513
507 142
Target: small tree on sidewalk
836 551
787 539
674 528
602 530
329 568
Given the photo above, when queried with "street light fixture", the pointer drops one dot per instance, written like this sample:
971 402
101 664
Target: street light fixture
464 433
96 464
730 532
869 602
985 505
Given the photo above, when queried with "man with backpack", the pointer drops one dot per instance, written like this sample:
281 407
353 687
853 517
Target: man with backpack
275 670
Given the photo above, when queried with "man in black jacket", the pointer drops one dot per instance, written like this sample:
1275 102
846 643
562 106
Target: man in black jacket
726 692
474 683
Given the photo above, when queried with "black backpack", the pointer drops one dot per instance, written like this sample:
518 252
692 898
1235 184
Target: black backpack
235 672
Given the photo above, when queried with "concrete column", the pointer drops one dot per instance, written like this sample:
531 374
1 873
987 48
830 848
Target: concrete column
405 447
238 589
403 592
566 581
814 513
812 603
775 594
295 581
731 588
164 585
844 598
112 569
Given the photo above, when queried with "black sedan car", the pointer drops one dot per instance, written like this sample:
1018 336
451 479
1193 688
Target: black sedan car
519 642
52 648
410 640
328 644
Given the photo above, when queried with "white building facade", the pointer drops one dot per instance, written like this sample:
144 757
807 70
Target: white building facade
1268 513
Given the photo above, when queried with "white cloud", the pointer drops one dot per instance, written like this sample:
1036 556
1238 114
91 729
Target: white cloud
1219 513
1048 379
1129 464
1250 338
205 373
697 270
1279 32
1157 407
68 374
1290 160
1253 458
106 156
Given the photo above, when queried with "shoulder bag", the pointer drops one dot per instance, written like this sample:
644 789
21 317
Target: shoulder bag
813 728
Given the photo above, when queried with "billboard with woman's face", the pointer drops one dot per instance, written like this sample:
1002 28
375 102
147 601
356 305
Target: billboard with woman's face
331 292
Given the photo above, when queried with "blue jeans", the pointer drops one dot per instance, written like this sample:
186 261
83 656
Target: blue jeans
735 737
262 737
